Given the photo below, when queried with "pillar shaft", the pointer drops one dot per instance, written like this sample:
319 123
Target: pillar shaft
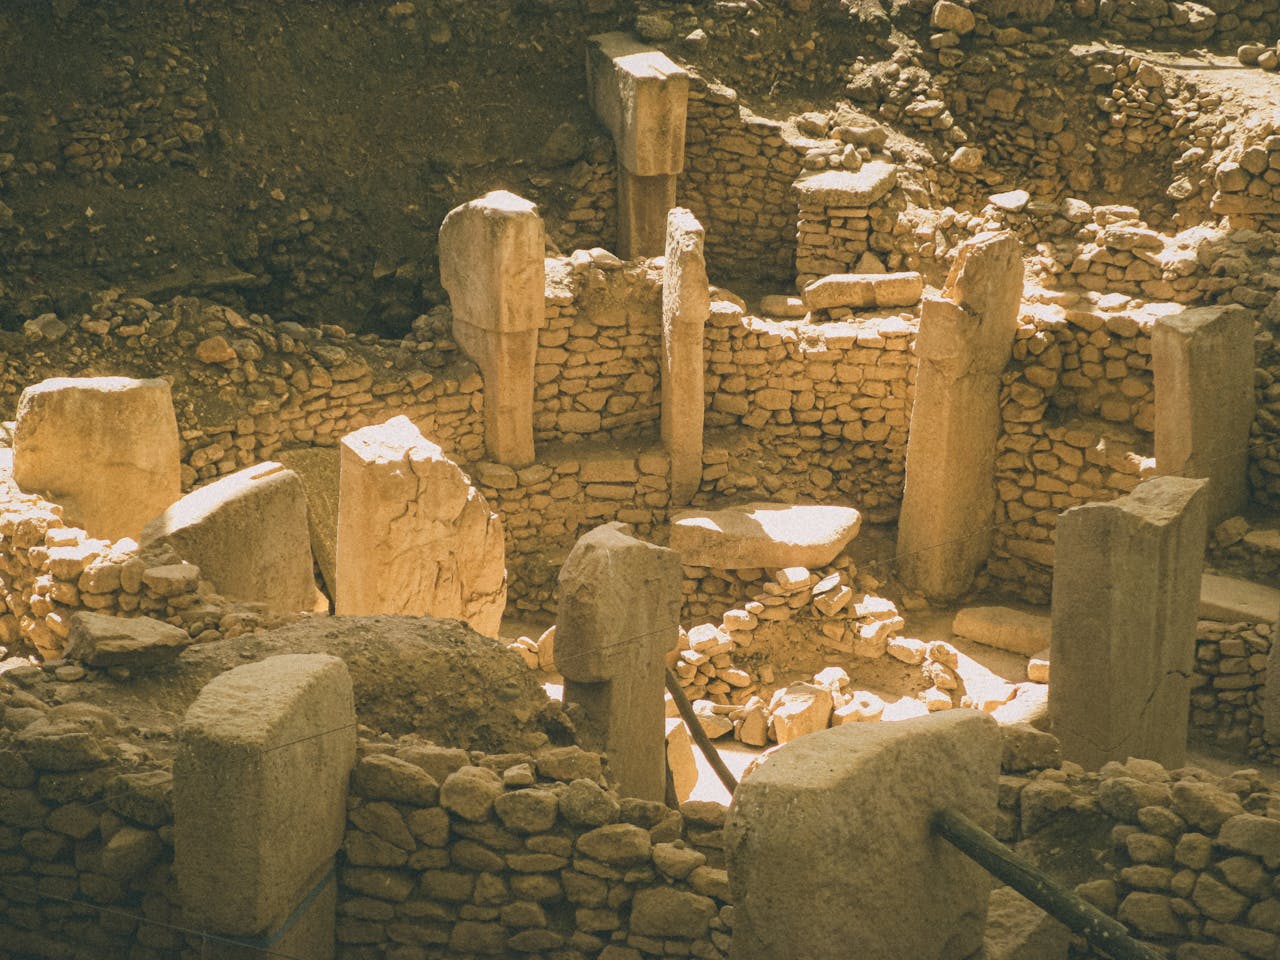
686 304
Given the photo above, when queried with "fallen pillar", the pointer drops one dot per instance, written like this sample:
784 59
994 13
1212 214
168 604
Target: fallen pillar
415 537
259 805
492 265
686 304
1202 360
965 342
248 535
1126 588
619 607
104 448
854 806
641 95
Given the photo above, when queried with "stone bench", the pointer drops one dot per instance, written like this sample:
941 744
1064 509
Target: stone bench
763 535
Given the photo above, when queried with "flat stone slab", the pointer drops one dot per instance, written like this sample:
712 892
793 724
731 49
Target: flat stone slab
844 188
139 643
864 290
317 468
763 535
1004 628
1232 599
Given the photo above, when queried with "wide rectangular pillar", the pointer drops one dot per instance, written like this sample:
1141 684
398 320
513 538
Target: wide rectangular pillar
1203 362
492 264
686 304
965 342
1126 591
642 96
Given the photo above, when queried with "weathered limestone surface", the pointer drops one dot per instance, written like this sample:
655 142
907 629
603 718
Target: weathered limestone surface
1203 363
1126 590
686 304
843 188
259 795
619 616
763 535
641 95
105 448
317 468
870 788
138 643
965 341
1004 628
248 535
414 536
491 264
864 290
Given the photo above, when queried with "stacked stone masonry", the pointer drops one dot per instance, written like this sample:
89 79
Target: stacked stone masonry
1229 683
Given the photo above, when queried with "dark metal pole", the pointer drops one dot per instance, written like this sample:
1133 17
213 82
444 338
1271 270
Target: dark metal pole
699 735
1102 932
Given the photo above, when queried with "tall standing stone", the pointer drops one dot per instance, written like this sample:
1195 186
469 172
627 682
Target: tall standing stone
492 265
619 615
831 840
642 96
1203 363
1126 591
415 537
965 342
686 304
260 802
248 534
105 448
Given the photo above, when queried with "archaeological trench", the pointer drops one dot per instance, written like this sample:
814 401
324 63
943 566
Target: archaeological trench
439 436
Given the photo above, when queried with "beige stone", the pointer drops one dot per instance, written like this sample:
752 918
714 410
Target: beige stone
415 536
798 710
686 304
680 759
317 468
871 788
864 290
1125 596
105 448
264 748
619 608
1004 628
763 535
841 188
138 643
965 342
248 534
491 264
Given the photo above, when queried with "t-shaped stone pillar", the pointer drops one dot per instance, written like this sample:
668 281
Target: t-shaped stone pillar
1203 364
619 616
491 264
965 342
641 95
686 304
1126 591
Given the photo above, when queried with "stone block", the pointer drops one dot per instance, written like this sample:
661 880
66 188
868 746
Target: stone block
842 188
248 534
641 95
686 304
317 468
105 448
763 535
864 290
138 643
264 748
867 791
1004 628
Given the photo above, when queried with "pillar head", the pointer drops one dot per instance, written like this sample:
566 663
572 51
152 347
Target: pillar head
642 96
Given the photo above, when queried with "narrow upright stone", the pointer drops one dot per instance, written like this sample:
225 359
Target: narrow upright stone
415 537
1126 589
686 304
642 96
965 342
248 535
619 615
492 265
1203 362
105 448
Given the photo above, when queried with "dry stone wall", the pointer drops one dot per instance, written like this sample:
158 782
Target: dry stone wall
1229 683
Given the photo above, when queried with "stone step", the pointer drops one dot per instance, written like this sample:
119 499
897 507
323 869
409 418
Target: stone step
1231 599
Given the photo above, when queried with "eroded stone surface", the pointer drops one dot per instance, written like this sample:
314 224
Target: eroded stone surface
763 535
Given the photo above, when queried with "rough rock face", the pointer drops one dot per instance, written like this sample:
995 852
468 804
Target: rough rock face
105 448
414 536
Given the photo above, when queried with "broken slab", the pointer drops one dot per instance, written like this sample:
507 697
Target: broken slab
844 188
136 643
1004 628
317 468
965 343
686 304
1202 361
415 537
619 615
263 749
763 535
864 290
1232 600
104 448
871 788
1126 589
492 266
248 534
